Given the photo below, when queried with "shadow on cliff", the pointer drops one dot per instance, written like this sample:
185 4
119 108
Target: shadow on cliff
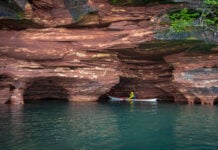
45 90
6 81
216 101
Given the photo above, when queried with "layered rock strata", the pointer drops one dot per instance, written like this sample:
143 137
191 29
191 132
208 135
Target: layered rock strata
106 56
196 76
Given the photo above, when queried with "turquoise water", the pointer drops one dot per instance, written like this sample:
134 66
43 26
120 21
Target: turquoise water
96 126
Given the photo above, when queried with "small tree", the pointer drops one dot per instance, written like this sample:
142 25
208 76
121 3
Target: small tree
206 17
209 15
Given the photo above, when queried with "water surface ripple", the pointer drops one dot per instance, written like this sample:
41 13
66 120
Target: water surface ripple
96 126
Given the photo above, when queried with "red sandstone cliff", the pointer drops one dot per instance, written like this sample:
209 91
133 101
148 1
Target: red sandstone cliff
110 51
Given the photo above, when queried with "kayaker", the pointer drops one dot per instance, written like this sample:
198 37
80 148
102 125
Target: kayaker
132 95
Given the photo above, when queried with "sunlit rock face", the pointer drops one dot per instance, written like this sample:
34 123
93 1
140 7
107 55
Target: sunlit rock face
69 61
69 64
196 76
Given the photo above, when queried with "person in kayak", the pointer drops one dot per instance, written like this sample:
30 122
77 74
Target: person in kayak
132 95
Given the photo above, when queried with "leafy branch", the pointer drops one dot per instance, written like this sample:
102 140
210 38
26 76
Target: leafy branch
206 17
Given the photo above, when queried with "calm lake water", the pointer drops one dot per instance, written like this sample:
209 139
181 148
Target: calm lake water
96 126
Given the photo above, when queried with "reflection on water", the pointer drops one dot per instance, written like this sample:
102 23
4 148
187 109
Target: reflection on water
107 126
12 121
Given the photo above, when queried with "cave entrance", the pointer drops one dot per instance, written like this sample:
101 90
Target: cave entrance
141 88
216 101
46 90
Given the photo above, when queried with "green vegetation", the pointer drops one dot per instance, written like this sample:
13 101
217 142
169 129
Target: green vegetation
20 15
183 20
206 17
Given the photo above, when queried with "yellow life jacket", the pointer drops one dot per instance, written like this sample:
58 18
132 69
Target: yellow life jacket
132 95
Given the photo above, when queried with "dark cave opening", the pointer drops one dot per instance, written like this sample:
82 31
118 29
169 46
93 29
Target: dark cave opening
216 101
103 98
45 90
142 89
46 100
197 101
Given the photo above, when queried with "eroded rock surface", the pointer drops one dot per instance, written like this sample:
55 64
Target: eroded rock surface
33 58
196 76
110 51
